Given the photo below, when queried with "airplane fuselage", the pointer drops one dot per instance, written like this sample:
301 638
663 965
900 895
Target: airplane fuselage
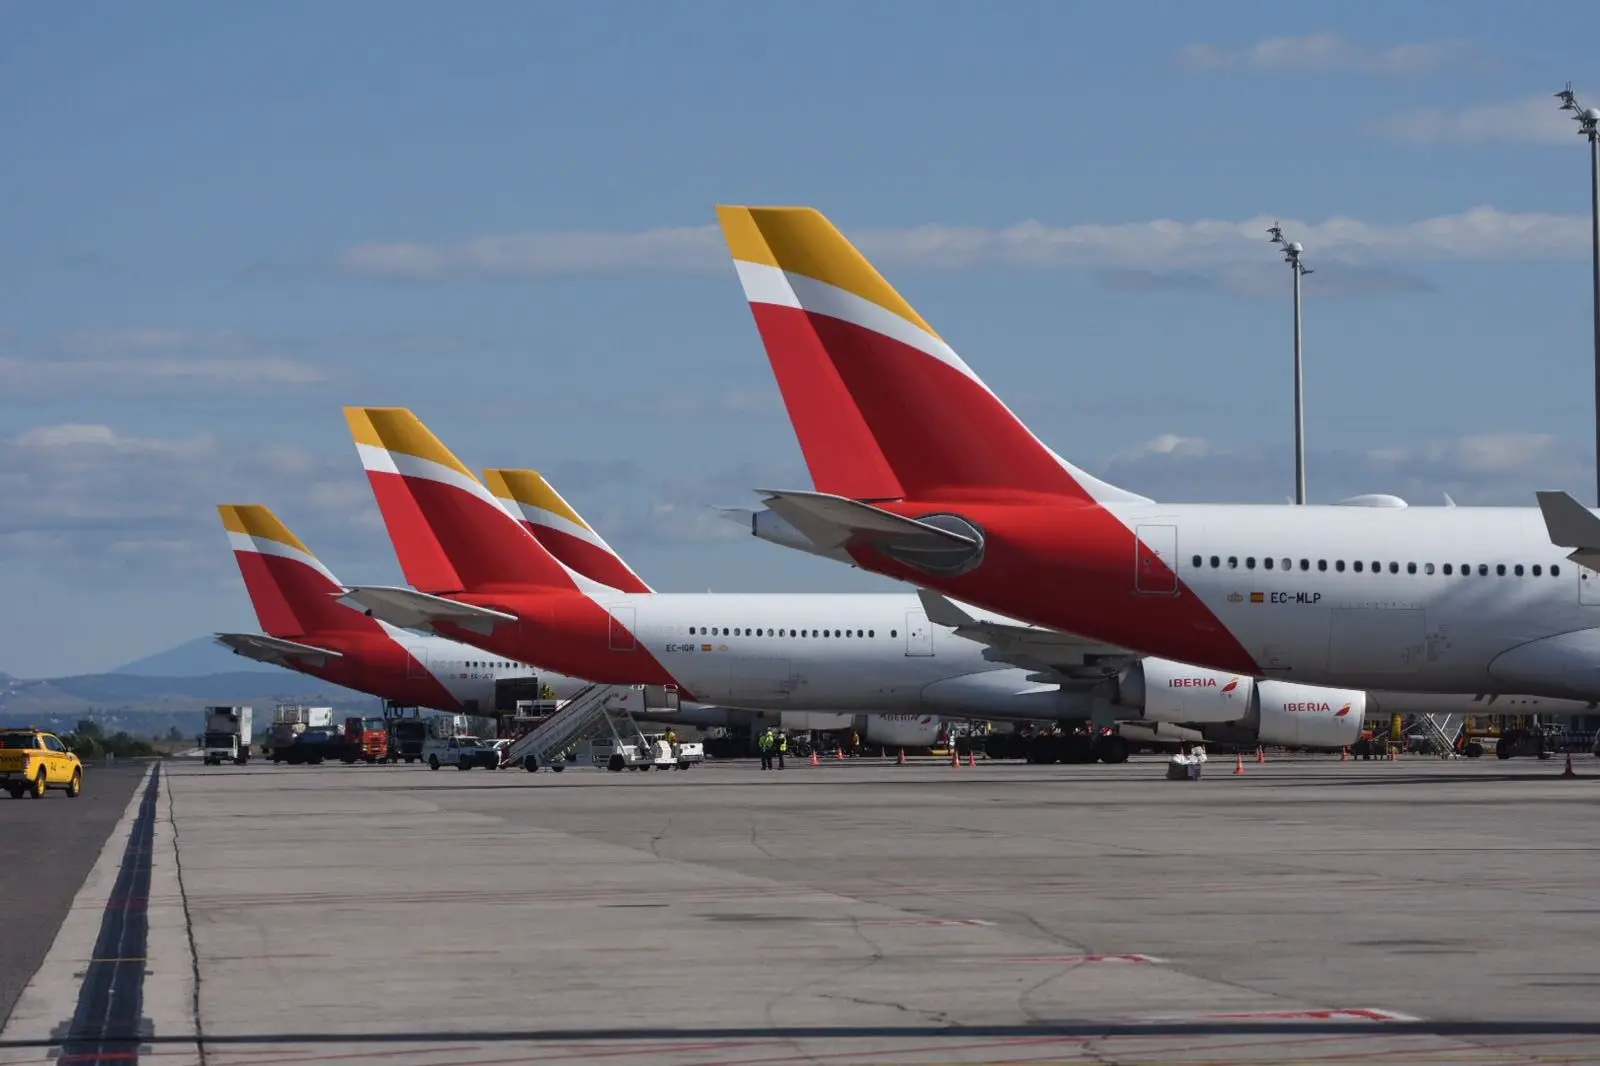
1452 600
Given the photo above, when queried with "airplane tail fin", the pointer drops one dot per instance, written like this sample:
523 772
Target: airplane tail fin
561 529
937 428
293 593
449 532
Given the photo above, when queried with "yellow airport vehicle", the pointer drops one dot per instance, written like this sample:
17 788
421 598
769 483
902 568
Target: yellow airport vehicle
32 761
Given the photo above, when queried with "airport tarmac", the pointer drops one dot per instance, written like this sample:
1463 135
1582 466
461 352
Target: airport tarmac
61 842
1307 911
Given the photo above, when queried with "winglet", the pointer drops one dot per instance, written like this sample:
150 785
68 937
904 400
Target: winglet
943 611
1569 523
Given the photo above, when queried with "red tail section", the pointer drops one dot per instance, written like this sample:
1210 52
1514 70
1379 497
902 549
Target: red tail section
936 429
293 593
450 533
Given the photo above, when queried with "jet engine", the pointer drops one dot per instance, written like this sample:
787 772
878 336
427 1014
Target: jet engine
1159 690
1235 709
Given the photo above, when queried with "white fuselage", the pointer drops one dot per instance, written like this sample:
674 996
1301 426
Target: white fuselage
1485 626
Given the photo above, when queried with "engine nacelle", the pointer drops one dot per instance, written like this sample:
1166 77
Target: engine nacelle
1159 690
1307 716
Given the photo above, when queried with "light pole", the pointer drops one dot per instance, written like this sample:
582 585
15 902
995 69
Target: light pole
1291 255
1588 120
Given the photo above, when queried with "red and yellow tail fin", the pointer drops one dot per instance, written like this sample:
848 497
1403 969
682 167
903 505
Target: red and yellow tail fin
450 533
561 529
936 429
293 593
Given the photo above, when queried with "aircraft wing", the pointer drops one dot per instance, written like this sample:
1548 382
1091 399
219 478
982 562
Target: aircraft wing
410 609
1572 525
832 521
265 649
1059 655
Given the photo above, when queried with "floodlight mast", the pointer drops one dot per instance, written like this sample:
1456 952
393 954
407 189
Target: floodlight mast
1292 250
1588 120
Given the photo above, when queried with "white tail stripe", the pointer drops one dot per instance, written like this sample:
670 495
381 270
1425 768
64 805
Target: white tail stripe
244 542
765 284
538 516
385 461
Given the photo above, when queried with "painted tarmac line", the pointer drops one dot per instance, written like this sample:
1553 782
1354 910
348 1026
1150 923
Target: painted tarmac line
44 1012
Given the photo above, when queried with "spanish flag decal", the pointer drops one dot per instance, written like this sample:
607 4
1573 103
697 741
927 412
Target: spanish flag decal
1258 597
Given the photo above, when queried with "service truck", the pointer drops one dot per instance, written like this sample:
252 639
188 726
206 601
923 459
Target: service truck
289 720
227 735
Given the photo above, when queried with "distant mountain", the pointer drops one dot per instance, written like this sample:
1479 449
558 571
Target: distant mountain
102 695
199 657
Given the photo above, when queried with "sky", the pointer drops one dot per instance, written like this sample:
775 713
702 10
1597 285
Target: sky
221 223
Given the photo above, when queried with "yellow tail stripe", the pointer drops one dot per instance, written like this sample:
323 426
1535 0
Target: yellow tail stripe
254 520
530 487
396 429
801 240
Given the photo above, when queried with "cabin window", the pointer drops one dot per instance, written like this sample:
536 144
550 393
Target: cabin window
1250 563
1500 570
1537 570
1517 569
1322 564
1411 568
1394 568
1483 569
1339 566
1357 565
1196 562
1305 564
894 632
871 633
1267 562
1555 571
691 631
1215 562
1233 562
1427 568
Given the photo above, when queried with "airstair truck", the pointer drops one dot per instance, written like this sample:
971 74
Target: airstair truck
227 735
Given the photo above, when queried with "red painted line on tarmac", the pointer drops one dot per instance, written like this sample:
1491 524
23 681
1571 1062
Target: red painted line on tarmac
1083 958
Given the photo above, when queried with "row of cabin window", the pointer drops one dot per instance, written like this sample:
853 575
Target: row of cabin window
482 664
735 631
1447 569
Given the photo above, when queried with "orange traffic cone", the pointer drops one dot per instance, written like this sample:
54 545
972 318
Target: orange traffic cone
1568 771
1344 754
814 760
841 755
1392 755
972 758
955 757
902 760
1261 754
1238 766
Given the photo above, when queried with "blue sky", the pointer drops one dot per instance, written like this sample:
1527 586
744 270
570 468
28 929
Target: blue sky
222 222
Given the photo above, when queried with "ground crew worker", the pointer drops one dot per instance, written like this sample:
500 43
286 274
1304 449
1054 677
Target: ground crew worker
672 741
783 748
764 742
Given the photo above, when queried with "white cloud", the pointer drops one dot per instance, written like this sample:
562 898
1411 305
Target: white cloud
1486 468
75 491
1329 53
1481 234
148 357
1530 120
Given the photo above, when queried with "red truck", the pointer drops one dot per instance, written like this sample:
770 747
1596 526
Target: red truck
366 740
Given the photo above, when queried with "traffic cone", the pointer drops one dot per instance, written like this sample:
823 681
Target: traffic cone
955 757
902 759
1568 771
1392 755
1238 766
1261 754
841 755
972 758
814 760
1344 754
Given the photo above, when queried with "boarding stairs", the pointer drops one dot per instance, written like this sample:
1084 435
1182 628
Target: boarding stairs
587 713
1442 730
